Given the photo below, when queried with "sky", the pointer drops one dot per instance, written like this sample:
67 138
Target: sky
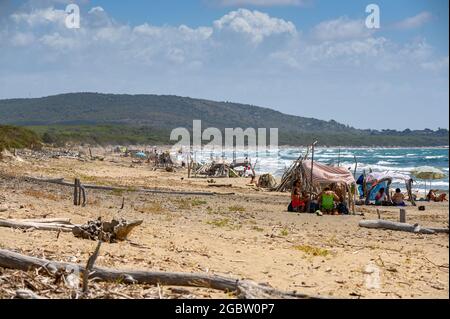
312 58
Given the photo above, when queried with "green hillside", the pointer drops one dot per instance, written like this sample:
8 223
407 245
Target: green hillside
17 137
129 119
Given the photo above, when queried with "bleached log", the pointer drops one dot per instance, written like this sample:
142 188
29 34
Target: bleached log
37 226
27 294
386 224
60 181
243 288
45 220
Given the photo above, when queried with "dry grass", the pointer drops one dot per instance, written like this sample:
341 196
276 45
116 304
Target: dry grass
183 203
153 208
219 222
198 202
236 209
41 195
314 251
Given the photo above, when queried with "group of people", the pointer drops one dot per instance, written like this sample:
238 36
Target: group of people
398 199
327 201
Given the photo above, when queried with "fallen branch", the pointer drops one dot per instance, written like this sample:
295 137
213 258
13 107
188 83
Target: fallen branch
45 220
220 185
36 225
243 288
60 181
27 294
89 266
416 228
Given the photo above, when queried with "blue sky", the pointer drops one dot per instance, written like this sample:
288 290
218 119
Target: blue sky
313 58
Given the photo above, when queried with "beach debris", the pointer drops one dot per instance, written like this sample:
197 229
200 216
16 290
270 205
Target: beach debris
416 228
116 230
241 288
89 266
220 185
267 181
60 181
52 225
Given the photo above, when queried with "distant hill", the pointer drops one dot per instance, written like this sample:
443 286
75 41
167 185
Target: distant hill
152 117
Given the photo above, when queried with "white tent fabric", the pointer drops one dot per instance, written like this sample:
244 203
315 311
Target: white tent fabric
328 174
376 176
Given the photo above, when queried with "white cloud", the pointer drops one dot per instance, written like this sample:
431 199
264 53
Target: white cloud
40 16
21 39
254 24
96 10
58 42
440 65
415 21
341 29
262 3
246 56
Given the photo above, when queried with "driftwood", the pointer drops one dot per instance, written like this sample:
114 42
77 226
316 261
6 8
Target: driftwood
60 181
46 220
116 230
243 288
27 294
36 225
220 185
416 228
89 266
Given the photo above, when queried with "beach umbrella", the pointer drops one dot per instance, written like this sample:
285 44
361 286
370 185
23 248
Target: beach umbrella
427 173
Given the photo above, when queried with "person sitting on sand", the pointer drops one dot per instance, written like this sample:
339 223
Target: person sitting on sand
327 199
435 198
298 203
380 197
398 199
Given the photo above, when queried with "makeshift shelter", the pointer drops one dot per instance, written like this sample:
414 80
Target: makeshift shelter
321 176
215 169
375 180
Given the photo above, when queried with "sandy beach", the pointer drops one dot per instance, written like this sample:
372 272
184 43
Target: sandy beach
240 231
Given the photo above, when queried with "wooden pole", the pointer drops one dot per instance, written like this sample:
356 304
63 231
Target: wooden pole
189 165
311 180
339 157
402 215
75 192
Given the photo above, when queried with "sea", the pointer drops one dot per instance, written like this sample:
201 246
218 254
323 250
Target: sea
402 160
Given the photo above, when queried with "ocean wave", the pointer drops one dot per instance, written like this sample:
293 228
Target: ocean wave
389 156
386 163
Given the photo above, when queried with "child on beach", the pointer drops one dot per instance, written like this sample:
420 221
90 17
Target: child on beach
380 197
